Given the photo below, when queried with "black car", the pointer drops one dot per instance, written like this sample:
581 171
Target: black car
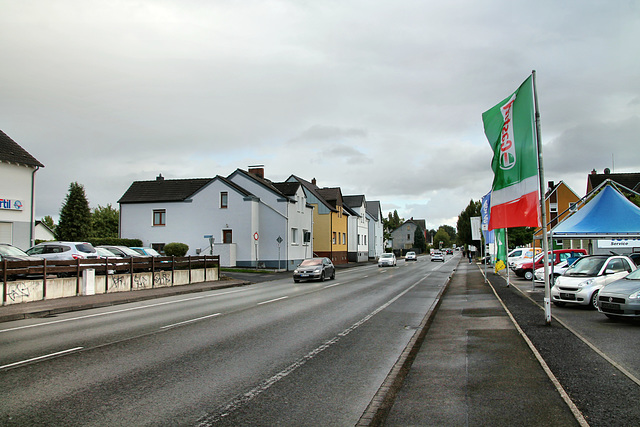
314 269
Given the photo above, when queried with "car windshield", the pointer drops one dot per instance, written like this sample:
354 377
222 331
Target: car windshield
386 256
11 250
152 252
590 266
634 275
86 248
309 262
411 253
128 251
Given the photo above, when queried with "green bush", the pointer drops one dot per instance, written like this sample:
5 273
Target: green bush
176 249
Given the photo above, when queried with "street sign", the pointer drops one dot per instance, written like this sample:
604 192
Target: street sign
256 236
208 236
279 240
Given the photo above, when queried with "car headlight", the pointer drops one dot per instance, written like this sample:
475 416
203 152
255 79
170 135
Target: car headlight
635 295
296 271
586 283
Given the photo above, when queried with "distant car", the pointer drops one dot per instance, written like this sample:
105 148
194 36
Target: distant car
558 270
437 256
449 251
145 251
410 256
122 251
387 259
621 298
582 281
525 268
12 253
314 269
64 250
521 254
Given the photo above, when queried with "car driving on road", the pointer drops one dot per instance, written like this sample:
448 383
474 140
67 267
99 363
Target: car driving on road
437 256
410 256
314 269
387 259
582 281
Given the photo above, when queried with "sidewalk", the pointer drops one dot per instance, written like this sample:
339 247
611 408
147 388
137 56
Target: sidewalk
474 368
62 305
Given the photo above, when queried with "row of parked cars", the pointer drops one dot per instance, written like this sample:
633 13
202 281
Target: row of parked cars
609 283
71 251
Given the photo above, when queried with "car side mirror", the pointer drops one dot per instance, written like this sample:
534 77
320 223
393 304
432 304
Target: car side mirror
609 272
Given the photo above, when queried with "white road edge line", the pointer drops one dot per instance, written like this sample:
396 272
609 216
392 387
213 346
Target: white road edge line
23 362
273 300
332 285
191 320
53 322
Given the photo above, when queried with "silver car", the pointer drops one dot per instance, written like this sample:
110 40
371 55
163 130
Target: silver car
64 250
582 281
621 298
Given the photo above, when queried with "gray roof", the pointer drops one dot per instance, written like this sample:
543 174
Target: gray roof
353 201
314 190
12 152
373 209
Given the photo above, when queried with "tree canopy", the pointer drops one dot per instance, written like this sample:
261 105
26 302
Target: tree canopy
464 222
104 221
442 236
75 215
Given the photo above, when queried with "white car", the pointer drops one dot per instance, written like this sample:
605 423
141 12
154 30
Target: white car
520 255
437 256
410 256
387 259
582 281
558 270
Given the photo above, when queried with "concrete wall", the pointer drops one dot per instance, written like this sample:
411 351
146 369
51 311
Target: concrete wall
32 290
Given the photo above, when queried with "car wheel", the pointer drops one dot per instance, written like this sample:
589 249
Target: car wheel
333 275
528 275
594 300
559 303
322 277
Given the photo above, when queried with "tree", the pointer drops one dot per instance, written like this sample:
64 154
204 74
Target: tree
464 222
75 215
419 241
391 223
104 221
48 221
441 236
520 236
451 231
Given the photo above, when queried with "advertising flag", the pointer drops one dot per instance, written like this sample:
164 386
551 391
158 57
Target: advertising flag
485 213
501 243
510 129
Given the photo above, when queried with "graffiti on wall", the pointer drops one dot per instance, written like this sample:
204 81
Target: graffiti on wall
162 278
18 290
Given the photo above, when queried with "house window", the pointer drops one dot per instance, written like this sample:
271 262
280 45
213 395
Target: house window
294 236
344 238
224 200
159 217
408 237
306 236
227 236
333 240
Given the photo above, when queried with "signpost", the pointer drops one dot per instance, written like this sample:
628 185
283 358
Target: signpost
279 240
211 241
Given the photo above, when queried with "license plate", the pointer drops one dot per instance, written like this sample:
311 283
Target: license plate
567 296
607 305
304 275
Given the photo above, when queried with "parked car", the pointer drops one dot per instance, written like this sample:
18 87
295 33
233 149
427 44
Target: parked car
525 268
387 259
635 257
145 251
585 277
12 253
410 256
521 254
437 256
106 253
554 271
314 268
64 250
621 298
122 251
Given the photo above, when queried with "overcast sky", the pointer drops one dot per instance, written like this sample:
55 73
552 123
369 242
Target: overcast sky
381 98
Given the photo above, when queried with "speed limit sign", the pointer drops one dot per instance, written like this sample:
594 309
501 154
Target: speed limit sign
256 236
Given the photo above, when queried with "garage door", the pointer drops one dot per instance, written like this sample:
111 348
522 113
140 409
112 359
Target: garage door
6 232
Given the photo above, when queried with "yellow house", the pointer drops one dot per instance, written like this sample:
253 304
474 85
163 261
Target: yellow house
330 220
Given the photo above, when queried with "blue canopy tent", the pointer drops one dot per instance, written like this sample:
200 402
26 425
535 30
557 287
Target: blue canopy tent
609 215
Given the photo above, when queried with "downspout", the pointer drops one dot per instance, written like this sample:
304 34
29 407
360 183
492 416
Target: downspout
33 213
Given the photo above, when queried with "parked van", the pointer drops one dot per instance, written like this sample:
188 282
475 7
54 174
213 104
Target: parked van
520 254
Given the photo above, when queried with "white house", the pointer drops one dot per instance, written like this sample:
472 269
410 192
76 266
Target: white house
358 230
376 229
17 193
242 215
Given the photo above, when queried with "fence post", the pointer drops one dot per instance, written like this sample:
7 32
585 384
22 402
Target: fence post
4 282
205 268
153 273
77 276
44 279
131 273
173 267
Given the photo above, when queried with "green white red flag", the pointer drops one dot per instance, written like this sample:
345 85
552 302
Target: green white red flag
510 129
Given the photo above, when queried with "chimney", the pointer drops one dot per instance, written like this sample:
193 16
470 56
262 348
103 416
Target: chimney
593 172
160 177
551 185
257 170
313 181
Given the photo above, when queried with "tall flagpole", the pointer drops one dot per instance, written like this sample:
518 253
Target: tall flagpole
545 241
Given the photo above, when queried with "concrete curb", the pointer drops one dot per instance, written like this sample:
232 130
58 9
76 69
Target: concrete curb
383 400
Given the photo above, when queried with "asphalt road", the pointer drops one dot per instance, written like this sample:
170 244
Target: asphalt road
270 353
